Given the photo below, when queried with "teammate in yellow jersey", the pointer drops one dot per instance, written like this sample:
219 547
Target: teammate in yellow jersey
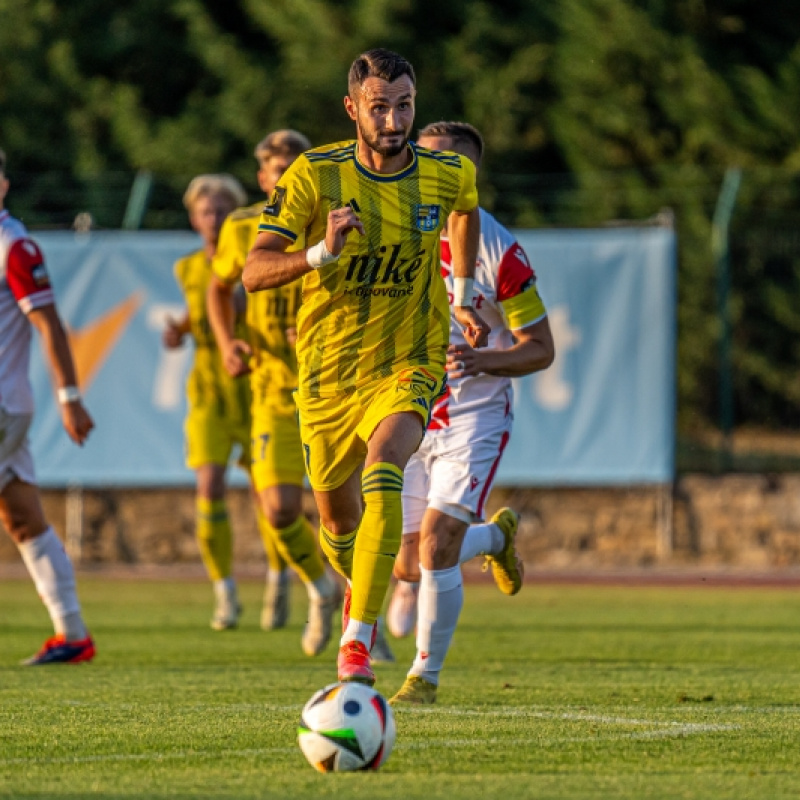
360 221
267 353
219 406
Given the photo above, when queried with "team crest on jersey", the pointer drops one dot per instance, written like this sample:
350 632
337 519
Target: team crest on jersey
417 381
273 206
427 217
40 276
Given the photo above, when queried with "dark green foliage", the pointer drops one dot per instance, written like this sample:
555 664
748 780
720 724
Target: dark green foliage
592 110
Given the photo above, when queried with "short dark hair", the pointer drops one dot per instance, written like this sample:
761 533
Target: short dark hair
2 162
459 132
378 63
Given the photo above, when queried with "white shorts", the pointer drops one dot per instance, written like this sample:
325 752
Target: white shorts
16 460
455 467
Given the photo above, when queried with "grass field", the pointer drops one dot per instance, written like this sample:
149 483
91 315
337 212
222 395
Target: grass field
560 692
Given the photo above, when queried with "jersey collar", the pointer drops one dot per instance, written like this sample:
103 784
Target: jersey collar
395 176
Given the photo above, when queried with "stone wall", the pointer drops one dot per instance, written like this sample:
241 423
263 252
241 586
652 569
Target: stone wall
749 521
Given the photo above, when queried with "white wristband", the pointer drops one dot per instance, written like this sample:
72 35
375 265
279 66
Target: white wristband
319 255
68 394
462 291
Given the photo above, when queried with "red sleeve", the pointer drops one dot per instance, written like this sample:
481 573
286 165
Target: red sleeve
515 274
26 275
446 258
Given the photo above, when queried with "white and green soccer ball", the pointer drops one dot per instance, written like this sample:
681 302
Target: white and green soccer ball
346 727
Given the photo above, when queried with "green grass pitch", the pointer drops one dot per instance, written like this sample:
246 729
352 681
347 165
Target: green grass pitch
560 692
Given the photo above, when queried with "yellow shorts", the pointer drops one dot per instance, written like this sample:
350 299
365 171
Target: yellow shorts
211 437
277 454
335 430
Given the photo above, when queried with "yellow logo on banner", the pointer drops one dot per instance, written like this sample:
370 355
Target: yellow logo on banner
94 342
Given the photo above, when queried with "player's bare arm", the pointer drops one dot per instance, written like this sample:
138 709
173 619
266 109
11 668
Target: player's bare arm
74 416
533 350
269 266
464 231
221 307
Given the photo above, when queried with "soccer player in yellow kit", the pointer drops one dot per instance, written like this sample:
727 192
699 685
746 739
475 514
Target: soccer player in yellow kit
267 353
218 417
360 221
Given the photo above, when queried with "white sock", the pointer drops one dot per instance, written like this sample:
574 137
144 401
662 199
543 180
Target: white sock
359 632
321 587
49 566
277 576
225 591
441 595
482 539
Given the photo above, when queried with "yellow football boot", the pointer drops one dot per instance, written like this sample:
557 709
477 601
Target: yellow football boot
507 567
415 691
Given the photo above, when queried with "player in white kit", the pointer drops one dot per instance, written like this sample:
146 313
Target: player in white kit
448 479
26 299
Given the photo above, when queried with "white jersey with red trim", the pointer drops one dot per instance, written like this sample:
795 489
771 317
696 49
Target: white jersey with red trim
24 286
506 297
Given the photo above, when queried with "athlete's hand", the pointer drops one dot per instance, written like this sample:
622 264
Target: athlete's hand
340 222
236 356
476 331
76 421
463 361
173 335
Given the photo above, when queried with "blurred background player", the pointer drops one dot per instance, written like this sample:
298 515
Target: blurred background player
267 353
449 478
26 298
218 418
373 325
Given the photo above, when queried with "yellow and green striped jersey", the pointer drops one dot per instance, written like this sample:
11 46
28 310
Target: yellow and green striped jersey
269 314
209 385
382 305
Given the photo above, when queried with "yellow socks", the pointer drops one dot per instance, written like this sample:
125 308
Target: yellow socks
296 544
378 539
339 550
213 531
270 538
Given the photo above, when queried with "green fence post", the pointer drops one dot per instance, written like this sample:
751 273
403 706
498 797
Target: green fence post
137 200
720 248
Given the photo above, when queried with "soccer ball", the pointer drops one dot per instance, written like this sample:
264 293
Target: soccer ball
346 727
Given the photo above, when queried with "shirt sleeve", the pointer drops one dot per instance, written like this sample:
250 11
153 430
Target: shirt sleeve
27 276
467 198
179 271
517 292
228 261
291 207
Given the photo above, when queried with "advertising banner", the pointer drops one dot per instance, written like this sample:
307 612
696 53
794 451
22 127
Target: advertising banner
603 414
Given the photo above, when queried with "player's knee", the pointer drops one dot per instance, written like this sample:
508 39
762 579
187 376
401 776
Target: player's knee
440 549
23 517
406 572
341 524
211 483
24 530
281 517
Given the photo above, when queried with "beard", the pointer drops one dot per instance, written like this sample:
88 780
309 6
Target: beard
373 141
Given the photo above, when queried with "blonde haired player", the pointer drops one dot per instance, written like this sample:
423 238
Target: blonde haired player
360 222
27 300
218 406
266 351
449 478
